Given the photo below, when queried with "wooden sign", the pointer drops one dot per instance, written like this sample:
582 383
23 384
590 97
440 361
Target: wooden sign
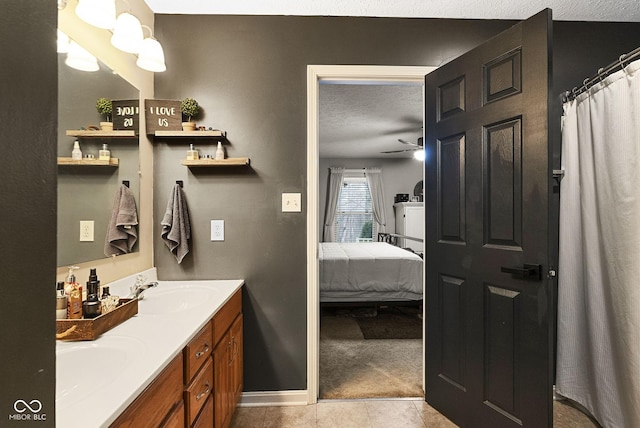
163 115
126 114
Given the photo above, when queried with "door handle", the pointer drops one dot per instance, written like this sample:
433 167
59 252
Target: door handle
527 271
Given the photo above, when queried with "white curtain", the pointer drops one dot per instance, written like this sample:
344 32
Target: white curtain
599 268
374 181
333 193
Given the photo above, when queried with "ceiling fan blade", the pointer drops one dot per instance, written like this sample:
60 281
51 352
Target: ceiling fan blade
409 143
401 151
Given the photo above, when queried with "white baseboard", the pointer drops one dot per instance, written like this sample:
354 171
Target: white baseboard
274 398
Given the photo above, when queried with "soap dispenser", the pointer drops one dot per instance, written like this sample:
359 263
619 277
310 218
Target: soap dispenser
192 153
61 301
74 295
76 153
105 153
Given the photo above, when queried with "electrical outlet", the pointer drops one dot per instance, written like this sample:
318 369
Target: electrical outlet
217 230
86 230
291 203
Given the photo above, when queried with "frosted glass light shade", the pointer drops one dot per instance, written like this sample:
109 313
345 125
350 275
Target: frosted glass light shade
63 42
151 56
127 35
80 59
99 13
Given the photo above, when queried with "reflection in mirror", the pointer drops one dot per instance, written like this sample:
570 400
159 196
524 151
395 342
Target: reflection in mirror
87 193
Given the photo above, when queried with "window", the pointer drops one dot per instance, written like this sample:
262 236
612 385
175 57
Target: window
354 213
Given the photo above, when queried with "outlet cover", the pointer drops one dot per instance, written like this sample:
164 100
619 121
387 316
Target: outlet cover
86 230
291 203
217 230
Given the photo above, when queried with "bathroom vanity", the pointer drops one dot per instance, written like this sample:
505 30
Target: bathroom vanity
178 362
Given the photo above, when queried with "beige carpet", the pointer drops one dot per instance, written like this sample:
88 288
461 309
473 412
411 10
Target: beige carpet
351 367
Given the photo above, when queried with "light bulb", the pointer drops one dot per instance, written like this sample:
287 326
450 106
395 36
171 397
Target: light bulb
80 59
99 13
419 155
127 35
151 56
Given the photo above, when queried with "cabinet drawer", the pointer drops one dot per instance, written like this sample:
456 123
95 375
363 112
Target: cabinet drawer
199 390
205 418
196 352
157 401
225 316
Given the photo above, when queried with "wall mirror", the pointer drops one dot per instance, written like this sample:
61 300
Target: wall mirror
87 193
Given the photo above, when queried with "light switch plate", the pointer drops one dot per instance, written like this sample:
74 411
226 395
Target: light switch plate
217 230
291 203
86 230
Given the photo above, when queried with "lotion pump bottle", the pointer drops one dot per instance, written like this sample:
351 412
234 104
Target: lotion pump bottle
219 152
105 153
74 296
61 301
76 153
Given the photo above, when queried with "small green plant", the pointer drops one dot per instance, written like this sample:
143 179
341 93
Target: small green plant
190 108
104 106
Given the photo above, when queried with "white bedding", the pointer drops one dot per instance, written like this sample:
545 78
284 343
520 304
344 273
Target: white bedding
368 271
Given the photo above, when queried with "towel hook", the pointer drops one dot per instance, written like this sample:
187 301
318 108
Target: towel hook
180 183
125 182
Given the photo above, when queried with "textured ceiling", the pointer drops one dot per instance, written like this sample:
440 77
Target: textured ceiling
563 10
361 121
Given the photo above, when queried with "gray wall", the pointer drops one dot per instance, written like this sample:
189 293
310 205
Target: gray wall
249 74
28 85
398 176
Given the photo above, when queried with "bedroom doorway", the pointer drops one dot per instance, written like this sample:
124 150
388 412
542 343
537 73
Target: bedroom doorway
317 76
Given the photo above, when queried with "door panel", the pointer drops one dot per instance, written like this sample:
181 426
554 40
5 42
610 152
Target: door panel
488 354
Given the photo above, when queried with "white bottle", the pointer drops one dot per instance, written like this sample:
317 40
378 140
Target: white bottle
76 153
219 152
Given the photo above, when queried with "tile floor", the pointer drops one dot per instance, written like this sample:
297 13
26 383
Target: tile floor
372 414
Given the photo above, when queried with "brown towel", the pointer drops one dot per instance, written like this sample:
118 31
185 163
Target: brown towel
176 228
122 232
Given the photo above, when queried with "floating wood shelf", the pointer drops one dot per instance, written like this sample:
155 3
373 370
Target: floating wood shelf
100 134
191 134
213 162
88 162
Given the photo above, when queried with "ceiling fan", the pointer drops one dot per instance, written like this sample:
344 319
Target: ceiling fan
414 146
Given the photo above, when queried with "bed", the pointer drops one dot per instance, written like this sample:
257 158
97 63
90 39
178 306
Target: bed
368 272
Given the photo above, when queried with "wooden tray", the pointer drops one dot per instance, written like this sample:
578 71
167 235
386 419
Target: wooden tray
90 329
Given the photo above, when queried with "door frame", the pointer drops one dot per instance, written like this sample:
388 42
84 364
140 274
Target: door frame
337 74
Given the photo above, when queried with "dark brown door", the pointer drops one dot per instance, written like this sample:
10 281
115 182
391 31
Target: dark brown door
488 301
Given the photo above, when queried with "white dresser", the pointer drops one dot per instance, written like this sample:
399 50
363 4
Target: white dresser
410 222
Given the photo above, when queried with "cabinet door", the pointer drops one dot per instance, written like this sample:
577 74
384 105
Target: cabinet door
237 362
222 359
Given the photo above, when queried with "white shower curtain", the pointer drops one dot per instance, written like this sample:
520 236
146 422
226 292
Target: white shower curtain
598 362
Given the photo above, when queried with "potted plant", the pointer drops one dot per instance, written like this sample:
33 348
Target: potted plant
104 107
190 109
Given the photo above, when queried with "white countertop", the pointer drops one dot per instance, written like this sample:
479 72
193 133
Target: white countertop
97 380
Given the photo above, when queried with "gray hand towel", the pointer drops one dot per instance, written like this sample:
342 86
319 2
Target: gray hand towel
176 228
122 232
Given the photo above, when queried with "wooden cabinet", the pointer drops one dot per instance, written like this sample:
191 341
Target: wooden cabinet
227 361
202 385
156 405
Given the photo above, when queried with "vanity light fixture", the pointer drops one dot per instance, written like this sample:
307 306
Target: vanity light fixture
151 55
80 59
99 13
127 34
